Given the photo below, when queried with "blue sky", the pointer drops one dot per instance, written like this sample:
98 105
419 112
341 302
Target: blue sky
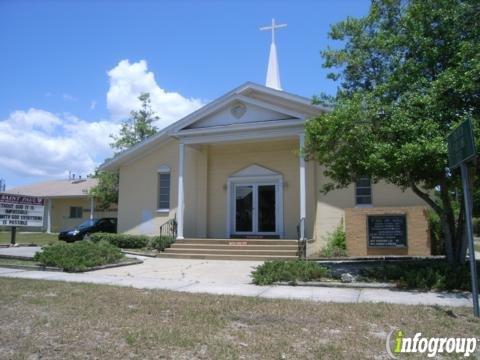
60 59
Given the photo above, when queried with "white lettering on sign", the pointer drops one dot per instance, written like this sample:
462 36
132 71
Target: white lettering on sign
21 210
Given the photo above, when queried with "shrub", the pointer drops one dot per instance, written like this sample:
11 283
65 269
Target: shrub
125 241
336 243
160 243
78 256
291 271
438 275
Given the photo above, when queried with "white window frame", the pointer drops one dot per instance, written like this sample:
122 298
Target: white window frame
255 181
164 169
364 187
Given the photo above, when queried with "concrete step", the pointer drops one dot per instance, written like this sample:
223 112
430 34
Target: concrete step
238 241
225 257
234 247
264 252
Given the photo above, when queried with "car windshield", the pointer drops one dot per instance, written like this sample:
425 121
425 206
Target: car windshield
87 223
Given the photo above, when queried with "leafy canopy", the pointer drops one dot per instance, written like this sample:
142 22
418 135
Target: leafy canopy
409 72
138 127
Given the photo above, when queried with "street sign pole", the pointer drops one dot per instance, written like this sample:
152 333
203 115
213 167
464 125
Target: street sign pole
461 150
471 247
13 235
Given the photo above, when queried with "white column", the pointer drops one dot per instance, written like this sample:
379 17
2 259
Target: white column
303 186
49 216
92 207
181 197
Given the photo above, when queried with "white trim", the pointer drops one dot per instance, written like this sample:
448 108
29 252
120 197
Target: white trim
250 134
303 186
181 201
164 169
267 179
92 207
49 216
163 210
258 125
244 89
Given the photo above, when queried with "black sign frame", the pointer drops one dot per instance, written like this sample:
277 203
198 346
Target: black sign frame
404 241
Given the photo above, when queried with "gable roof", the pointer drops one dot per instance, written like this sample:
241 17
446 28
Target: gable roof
56 188
249 92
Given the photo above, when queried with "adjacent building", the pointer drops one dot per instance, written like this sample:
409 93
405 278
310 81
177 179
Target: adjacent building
68 202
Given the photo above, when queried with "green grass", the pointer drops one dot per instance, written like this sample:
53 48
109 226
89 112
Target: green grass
36 238
6 261
57 320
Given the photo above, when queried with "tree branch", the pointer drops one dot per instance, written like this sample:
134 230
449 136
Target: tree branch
425 197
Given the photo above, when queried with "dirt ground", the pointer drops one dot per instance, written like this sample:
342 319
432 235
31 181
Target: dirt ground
56 320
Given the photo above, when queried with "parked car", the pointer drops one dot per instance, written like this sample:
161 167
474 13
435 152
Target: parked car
89 227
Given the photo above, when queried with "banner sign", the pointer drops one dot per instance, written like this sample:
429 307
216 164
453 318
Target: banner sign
21 210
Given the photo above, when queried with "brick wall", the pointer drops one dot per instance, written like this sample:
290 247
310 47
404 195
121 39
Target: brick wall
418 236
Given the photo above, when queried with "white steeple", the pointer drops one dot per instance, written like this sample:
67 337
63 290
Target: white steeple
273 71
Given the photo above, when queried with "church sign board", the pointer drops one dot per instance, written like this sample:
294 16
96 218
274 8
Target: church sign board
387 231
21 210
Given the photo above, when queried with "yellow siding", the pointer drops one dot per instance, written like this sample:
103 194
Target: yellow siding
227 159
331 206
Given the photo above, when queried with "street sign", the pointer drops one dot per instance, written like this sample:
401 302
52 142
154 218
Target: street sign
461 144
461 149
21 210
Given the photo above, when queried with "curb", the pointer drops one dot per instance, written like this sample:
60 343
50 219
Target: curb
109 266
337 284
139 254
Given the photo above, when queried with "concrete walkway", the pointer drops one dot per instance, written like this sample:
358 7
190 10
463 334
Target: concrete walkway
224 277
20 251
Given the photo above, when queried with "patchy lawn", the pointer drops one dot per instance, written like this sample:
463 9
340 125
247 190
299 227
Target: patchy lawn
36 238
7 261
55 320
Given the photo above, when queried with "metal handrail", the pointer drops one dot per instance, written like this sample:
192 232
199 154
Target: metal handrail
169 230
302 240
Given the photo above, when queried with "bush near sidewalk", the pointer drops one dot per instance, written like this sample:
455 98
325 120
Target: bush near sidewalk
290 271
336 243
79 256
426 275
127 241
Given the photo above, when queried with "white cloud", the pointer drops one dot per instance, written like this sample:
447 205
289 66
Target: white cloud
129 80
39 143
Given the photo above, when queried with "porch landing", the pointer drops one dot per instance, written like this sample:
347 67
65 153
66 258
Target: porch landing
233 249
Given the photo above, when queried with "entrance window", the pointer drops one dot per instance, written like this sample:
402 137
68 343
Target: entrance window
266 208
363 191
244 206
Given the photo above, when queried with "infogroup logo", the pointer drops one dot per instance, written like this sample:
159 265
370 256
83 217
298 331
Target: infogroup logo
400 344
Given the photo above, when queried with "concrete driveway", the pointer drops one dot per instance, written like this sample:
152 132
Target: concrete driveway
26 252
187 270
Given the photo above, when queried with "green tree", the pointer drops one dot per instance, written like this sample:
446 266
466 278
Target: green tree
133 131
409 72
138 127
106 190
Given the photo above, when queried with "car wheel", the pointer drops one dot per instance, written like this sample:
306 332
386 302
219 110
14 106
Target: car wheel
86 237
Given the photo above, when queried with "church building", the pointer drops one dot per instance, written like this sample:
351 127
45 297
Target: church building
233 177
